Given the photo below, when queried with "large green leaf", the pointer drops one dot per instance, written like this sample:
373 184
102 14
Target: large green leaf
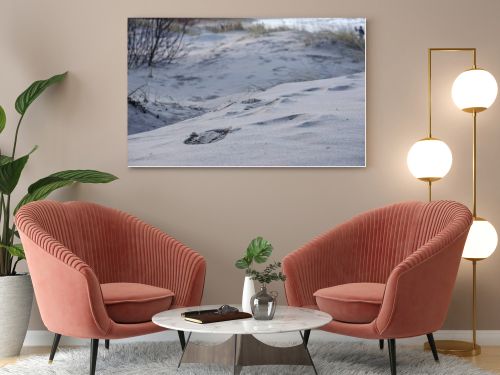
86 176
43 187
29 95
242 263
259 250
10 172
15 250
3 119
42 193
4 159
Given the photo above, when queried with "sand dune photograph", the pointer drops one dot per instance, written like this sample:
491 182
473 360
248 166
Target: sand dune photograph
246 92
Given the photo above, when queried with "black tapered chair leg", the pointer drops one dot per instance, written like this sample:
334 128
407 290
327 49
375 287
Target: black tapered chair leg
55 344
106 344
381 344
182 339
94 346
307 333
392 355
432 344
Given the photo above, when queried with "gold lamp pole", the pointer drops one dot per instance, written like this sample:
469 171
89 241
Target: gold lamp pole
473 91
475 349
429 159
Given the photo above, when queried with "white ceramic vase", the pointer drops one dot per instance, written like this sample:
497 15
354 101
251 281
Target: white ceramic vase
248 292
16 298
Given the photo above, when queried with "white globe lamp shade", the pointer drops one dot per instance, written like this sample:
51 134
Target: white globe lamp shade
429 159
481 241
474 90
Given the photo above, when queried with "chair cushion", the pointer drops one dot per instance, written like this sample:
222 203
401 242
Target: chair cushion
135 303
351 303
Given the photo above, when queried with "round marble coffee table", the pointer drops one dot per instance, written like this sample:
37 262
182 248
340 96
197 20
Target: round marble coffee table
242 348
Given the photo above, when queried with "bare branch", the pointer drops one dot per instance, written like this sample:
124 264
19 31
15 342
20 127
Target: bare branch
152 41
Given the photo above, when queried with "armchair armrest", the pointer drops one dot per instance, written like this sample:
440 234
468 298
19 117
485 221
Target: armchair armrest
419 289
68 292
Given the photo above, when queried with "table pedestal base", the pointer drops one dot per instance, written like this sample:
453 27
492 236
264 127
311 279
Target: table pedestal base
246 350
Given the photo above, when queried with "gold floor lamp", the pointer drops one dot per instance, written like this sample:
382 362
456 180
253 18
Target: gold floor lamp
430 159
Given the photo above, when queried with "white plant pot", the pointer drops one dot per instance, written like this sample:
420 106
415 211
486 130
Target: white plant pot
16 298
248 292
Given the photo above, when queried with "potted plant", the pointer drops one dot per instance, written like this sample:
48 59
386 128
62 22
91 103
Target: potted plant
16 291
258 250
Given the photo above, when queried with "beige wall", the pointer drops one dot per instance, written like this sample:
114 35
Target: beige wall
83 124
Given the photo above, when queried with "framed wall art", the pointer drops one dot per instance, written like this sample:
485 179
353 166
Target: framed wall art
246 92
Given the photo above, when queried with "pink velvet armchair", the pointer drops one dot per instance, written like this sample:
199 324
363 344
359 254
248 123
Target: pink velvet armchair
99 273
385 274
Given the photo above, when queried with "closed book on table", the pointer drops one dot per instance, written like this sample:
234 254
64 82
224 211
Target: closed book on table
212 317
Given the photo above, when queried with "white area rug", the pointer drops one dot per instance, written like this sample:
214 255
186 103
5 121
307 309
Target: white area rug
162 358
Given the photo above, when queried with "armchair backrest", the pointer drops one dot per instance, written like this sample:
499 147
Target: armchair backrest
386 236
368 247
379 240
92 232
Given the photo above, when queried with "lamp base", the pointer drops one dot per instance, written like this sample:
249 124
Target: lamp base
456 348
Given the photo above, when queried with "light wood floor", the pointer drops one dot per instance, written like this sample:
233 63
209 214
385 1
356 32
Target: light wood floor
488 360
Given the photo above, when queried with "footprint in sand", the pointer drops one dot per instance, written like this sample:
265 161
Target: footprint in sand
293 95
254 103
278 120
250 101
209 136
312 89
340 88
321 120
308 124
319 58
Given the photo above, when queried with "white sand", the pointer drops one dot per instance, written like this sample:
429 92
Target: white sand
287 104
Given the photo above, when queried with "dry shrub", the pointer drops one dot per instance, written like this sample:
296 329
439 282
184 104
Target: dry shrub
225 26
349 38
259 29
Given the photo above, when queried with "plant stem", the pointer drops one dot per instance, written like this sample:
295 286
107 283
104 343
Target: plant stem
13 271
11 242
6 237
5 234
3 255
3 252
15 137
12 234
